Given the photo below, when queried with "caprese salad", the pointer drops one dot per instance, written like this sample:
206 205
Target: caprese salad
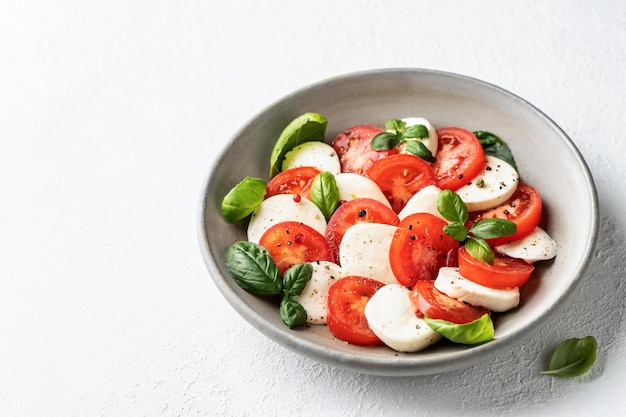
398 235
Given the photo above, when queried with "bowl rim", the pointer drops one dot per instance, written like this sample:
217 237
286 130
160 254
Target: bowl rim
396 366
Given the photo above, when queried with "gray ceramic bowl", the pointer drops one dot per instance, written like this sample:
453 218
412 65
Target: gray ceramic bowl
546 158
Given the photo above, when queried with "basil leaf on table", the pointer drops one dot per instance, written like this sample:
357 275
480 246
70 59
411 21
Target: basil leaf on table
478 331
308 127
324 193
573 357
494 146
253 269
243 199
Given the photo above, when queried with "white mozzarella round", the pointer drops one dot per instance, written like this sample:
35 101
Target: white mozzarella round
283 207
537 246
390 314
364 251
450 282
493 186
314 297
353 186
313 154
424 201
432 141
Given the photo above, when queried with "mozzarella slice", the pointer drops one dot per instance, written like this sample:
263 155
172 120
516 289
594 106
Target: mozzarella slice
364 251
493 186
313 154
537 246
283 207
450 282
353 186
390 314
314 297
432 141
424 201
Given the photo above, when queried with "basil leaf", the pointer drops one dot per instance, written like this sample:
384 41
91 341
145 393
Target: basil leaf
395 124
243 199
253 269
490 228
296 278
573 357
416 131
324 193
480 249
451 207
292 313
478 331
305 128
456 231
494 146
417 147
384 141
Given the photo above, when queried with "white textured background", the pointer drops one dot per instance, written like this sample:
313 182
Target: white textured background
111 113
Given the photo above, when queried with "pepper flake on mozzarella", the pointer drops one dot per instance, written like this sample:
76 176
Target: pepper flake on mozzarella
493 186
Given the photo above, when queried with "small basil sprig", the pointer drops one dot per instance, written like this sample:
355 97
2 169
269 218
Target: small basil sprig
251 266
243 199
480 330
453 209
397 133
324 193
494 146
573 357
294 280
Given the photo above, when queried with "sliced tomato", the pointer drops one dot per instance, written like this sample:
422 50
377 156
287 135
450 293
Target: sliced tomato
400 177
420 247
460 158
292 181
290 243
345 316
434 304
524 208
504 272
353 146
355 211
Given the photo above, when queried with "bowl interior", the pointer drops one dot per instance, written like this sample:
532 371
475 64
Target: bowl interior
546 157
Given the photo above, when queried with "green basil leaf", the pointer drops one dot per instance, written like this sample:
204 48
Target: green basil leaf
384 141
451 207
478 331
456 231
296 278
417 147
494 146
395 125
490 228
305 128
324 193
243 199
253 269
416 131
573 357
292 313
480 249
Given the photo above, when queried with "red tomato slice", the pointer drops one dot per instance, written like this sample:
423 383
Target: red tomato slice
420 247
524 208
345 316
400 177
505 272
353 146
292 181
460 158
290 243
355 211
434 304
